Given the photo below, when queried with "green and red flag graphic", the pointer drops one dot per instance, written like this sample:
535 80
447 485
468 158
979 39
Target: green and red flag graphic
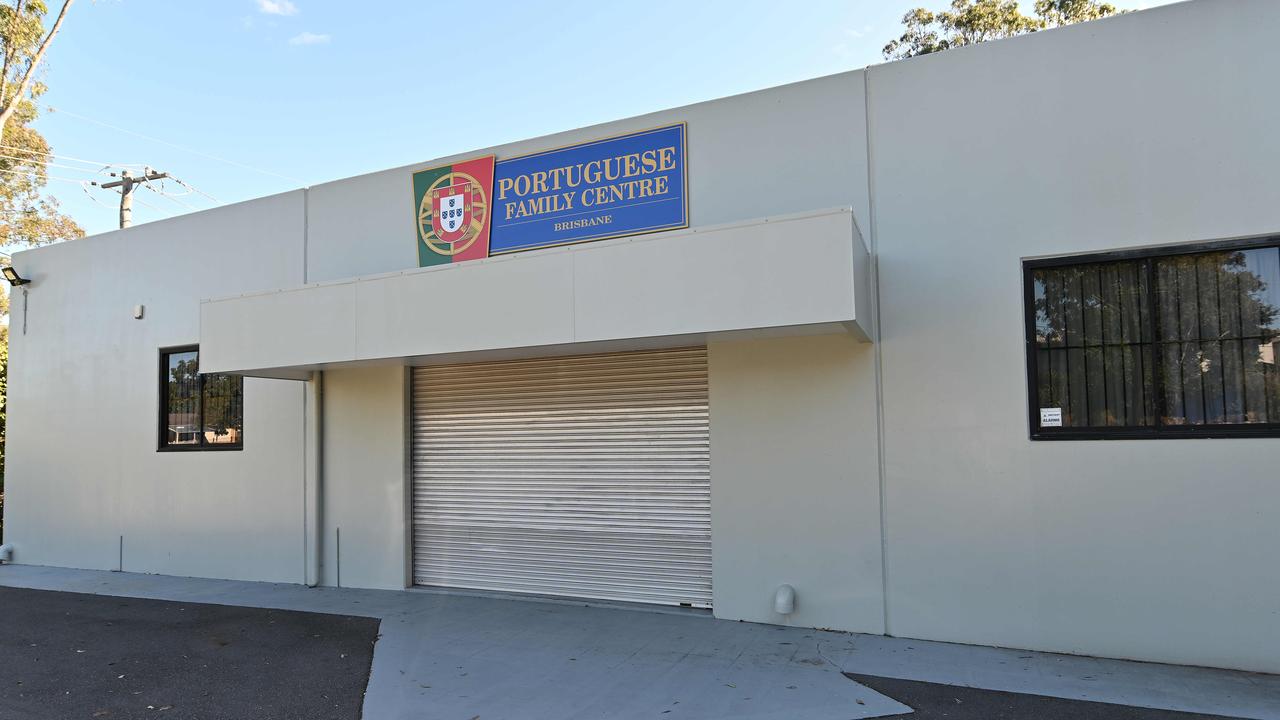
451 204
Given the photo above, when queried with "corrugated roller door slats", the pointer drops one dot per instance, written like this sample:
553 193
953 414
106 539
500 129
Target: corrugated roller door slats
582 476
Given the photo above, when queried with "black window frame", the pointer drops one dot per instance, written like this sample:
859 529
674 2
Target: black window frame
162 435
1156 431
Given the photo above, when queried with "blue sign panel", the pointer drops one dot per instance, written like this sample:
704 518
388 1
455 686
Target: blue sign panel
620 186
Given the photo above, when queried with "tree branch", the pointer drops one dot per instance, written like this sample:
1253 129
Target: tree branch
11 103
9 49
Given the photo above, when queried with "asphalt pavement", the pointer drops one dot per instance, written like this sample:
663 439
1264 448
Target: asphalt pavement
933 701
67 655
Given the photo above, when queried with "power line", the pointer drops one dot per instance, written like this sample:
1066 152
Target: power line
190 190
195 190
85 187
175 145
65 157
188 206
160 210
47 163
142 202
32 173
127 183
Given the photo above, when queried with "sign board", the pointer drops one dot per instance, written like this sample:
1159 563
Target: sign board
452 208
620 186
624 185
1050 417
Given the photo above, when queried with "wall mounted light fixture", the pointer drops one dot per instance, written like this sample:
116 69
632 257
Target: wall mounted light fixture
13 277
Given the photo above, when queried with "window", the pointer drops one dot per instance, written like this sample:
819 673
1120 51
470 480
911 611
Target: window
198 411
1181 342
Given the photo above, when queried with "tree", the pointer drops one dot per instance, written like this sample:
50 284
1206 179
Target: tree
969 22
1200 327
27 217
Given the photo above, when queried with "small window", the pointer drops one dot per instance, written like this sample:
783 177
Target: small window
198 411
1170 343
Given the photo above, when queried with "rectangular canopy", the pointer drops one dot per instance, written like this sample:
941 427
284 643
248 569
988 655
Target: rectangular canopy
796 274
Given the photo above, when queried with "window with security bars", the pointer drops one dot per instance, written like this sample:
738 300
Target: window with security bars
198 411
1184 342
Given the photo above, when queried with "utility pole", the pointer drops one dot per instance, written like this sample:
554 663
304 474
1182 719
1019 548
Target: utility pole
127 183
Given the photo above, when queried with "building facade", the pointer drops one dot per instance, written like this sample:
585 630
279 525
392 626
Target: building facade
975 347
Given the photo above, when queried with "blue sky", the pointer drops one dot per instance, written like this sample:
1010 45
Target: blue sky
304 91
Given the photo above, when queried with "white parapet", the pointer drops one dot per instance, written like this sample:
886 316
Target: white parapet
796 274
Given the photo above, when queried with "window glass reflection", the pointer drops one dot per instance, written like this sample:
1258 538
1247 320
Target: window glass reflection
1181 340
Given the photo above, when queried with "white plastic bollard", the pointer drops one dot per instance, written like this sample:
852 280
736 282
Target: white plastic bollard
784 600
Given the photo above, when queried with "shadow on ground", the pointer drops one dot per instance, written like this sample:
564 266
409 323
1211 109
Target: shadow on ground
71 655
933 701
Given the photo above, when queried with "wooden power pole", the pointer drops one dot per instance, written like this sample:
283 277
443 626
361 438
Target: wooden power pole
127 183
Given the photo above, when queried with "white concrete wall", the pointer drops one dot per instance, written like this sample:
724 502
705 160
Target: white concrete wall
1145 129
86 363
779 151
82 466
1152 128
795 496
365 459
787 272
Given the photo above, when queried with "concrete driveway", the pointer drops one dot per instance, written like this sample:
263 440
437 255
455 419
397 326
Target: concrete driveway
455 656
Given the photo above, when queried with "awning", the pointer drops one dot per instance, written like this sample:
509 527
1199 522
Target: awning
799 274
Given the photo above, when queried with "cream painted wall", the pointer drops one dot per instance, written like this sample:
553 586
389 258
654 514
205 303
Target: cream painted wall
738 170
666 285
795 495
365 457
82 466
1152 128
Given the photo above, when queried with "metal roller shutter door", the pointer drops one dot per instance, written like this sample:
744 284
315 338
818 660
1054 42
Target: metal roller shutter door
582 476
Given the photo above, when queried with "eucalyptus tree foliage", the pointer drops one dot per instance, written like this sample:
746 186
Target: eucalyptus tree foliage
969 22
27 216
